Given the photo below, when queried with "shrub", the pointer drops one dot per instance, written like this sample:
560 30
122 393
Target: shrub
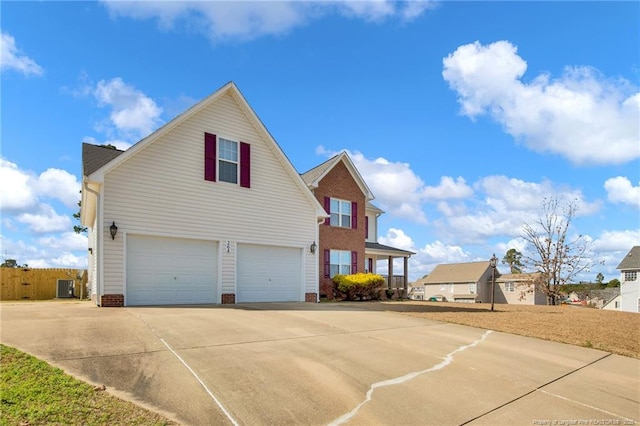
359 286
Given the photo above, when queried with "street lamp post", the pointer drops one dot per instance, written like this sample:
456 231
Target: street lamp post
493 261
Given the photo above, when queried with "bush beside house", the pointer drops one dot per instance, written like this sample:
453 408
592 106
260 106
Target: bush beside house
360 286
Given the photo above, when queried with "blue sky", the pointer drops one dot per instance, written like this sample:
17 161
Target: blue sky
461 116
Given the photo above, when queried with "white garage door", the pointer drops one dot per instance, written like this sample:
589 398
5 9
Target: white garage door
269 274
170 271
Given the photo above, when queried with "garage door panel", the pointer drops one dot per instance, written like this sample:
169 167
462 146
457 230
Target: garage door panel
166 271
269 274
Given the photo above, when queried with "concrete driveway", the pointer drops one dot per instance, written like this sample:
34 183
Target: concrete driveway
312 364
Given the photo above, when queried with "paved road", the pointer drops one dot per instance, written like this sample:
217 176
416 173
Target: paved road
310 364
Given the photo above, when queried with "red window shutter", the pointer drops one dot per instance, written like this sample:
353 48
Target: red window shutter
327 263
245 165
354 262
327 208
210 157
366 227
371 265
354 215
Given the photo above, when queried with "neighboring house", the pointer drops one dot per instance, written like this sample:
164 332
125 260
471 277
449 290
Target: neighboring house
629 269
206 209
602 297
519 289
416 292
613 304
459 282
348 236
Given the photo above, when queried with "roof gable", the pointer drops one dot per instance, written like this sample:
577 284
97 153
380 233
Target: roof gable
457 273
96 156
631 260
313 177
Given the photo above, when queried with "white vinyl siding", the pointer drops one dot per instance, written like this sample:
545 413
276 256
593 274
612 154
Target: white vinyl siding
161 191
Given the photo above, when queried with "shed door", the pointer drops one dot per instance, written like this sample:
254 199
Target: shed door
170 271
269 274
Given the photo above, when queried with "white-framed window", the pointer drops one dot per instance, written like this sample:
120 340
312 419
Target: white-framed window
509 287
630 275
340 213
443 287
451 288
227 160
340 262
472 288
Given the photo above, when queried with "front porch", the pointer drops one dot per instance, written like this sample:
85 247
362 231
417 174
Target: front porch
375 252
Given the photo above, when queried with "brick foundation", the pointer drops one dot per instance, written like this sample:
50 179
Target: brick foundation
228 299
311 297
112 300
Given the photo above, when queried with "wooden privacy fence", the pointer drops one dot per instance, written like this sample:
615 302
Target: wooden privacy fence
42 284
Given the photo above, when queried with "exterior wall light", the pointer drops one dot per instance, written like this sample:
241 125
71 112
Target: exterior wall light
313 247
113 230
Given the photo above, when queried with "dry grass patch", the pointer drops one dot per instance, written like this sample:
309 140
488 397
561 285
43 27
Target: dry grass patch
610 331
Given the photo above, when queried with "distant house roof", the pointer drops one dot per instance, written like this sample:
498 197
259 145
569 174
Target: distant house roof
96 156
631 260
457 273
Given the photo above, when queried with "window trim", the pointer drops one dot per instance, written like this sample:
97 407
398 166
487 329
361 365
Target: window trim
630 274
509 287
472 288
340 215
220 160
340 265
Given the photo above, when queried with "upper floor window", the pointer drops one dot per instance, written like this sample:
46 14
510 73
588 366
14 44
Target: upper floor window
227 160
630 275
340 213
509 287
472 288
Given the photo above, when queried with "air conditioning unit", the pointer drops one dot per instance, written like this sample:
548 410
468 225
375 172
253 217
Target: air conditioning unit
65 289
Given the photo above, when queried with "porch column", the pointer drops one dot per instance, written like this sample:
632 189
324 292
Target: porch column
406 273
390 271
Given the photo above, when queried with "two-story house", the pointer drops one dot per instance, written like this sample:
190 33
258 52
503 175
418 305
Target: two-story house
629 269
348 237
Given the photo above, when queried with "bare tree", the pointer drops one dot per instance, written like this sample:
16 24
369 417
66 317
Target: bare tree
551 252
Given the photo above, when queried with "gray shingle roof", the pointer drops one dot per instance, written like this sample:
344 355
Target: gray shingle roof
94 157
457 273
631 260
389 249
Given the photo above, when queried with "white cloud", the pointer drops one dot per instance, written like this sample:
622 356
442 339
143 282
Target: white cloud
45 219
398 239
252 19
12 58
119 144
447 189
620 190
67 241
617 240
133 114
398 190
582 115
59 184
15 192
20 190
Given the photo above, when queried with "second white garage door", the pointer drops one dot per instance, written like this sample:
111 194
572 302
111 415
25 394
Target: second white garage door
170 271
269 274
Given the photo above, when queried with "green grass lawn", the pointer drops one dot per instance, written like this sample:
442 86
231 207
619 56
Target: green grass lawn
34 393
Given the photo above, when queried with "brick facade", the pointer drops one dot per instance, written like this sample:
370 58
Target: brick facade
112 300
229 299
339 183
311 297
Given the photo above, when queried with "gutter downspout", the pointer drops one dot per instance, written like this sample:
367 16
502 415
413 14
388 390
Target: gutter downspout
100 244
